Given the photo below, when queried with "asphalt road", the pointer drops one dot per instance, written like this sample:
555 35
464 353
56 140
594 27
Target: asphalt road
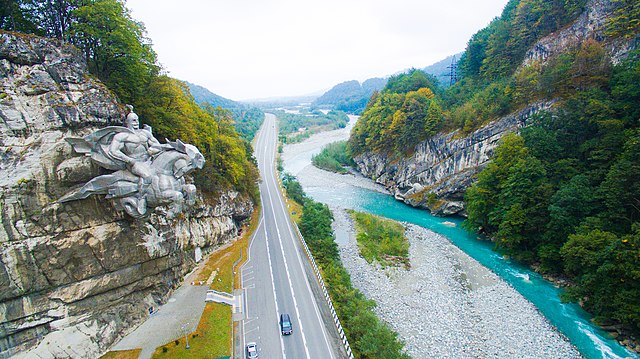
275 278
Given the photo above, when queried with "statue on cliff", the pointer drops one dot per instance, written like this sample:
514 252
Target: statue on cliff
147 173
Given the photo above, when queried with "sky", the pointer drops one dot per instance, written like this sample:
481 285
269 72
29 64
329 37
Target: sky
254 49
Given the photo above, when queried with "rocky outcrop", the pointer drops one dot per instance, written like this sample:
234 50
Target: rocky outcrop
436 176
75 277
591 24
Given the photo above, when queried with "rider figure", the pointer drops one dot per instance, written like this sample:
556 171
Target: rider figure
135 149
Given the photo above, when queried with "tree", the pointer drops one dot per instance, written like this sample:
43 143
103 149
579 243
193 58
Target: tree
115 47
625 21
482 198
607 274
18 15
434 119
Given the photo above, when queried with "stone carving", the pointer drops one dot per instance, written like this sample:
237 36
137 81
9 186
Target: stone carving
147 173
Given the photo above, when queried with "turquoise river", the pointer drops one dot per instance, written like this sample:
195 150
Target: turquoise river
569 319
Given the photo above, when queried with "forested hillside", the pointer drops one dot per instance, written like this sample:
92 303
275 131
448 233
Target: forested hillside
563 195
247 118
442 69
350 96
118 53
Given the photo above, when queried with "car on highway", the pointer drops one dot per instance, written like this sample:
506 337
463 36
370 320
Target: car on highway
252 350
285 324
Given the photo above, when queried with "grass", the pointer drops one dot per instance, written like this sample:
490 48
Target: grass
381 240
211 339
295 209
122 354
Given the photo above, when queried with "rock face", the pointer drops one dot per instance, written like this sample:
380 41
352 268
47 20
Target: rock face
436 176
442 167
591 24
75 277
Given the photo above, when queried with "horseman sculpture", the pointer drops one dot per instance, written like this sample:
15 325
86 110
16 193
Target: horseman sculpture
147 173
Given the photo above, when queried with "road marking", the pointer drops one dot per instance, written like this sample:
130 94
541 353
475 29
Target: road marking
244 289
286 268
273 286
315 305
254 329
297 251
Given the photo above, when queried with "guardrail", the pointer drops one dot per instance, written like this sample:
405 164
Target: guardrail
336 320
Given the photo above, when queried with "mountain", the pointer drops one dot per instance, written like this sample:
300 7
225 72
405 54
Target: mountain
202 95
537 144
247 118
351 96
442 69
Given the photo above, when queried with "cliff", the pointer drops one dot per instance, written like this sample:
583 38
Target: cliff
442 167
437 174
75 277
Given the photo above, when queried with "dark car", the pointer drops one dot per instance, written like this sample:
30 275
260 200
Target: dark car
285 324
252 350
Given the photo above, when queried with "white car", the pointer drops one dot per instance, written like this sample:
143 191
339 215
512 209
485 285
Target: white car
252 350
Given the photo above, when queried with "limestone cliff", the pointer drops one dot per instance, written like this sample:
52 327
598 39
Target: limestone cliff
437 174
75 277
442 167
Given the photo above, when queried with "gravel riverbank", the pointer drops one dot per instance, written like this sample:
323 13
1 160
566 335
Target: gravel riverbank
448 305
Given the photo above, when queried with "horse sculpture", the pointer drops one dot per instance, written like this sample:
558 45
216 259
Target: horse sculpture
162 185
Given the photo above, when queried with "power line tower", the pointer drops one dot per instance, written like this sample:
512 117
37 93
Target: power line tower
453 73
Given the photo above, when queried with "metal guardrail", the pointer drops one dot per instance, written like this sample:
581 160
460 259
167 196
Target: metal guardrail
336 320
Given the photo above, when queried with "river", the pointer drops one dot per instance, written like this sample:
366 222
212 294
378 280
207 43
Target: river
351 192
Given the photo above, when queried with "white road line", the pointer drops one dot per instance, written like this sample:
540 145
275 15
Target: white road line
286 268
244 289
273 287
315 305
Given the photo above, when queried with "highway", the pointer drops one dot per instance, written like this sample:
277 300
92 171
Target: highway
276 278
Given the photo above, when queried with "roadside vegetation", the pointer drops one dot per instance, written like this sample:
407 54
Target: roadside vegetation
381 240
296 127
221 272
335 157
368 336
212 338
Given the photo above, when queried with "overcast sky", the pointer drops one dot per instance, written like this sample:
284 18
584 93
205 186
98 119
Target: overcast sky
248 49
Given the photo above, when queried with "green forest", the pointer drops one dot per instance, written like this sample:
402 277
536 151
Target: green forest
334 157
563 195
119 54
295 127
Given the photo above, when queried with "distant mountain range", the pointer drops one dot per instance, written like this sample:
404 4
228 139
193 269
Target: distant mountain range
247 118
202 95
352 97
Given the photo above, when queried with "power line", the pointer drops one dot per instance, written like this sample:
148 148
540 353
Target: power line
453 73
